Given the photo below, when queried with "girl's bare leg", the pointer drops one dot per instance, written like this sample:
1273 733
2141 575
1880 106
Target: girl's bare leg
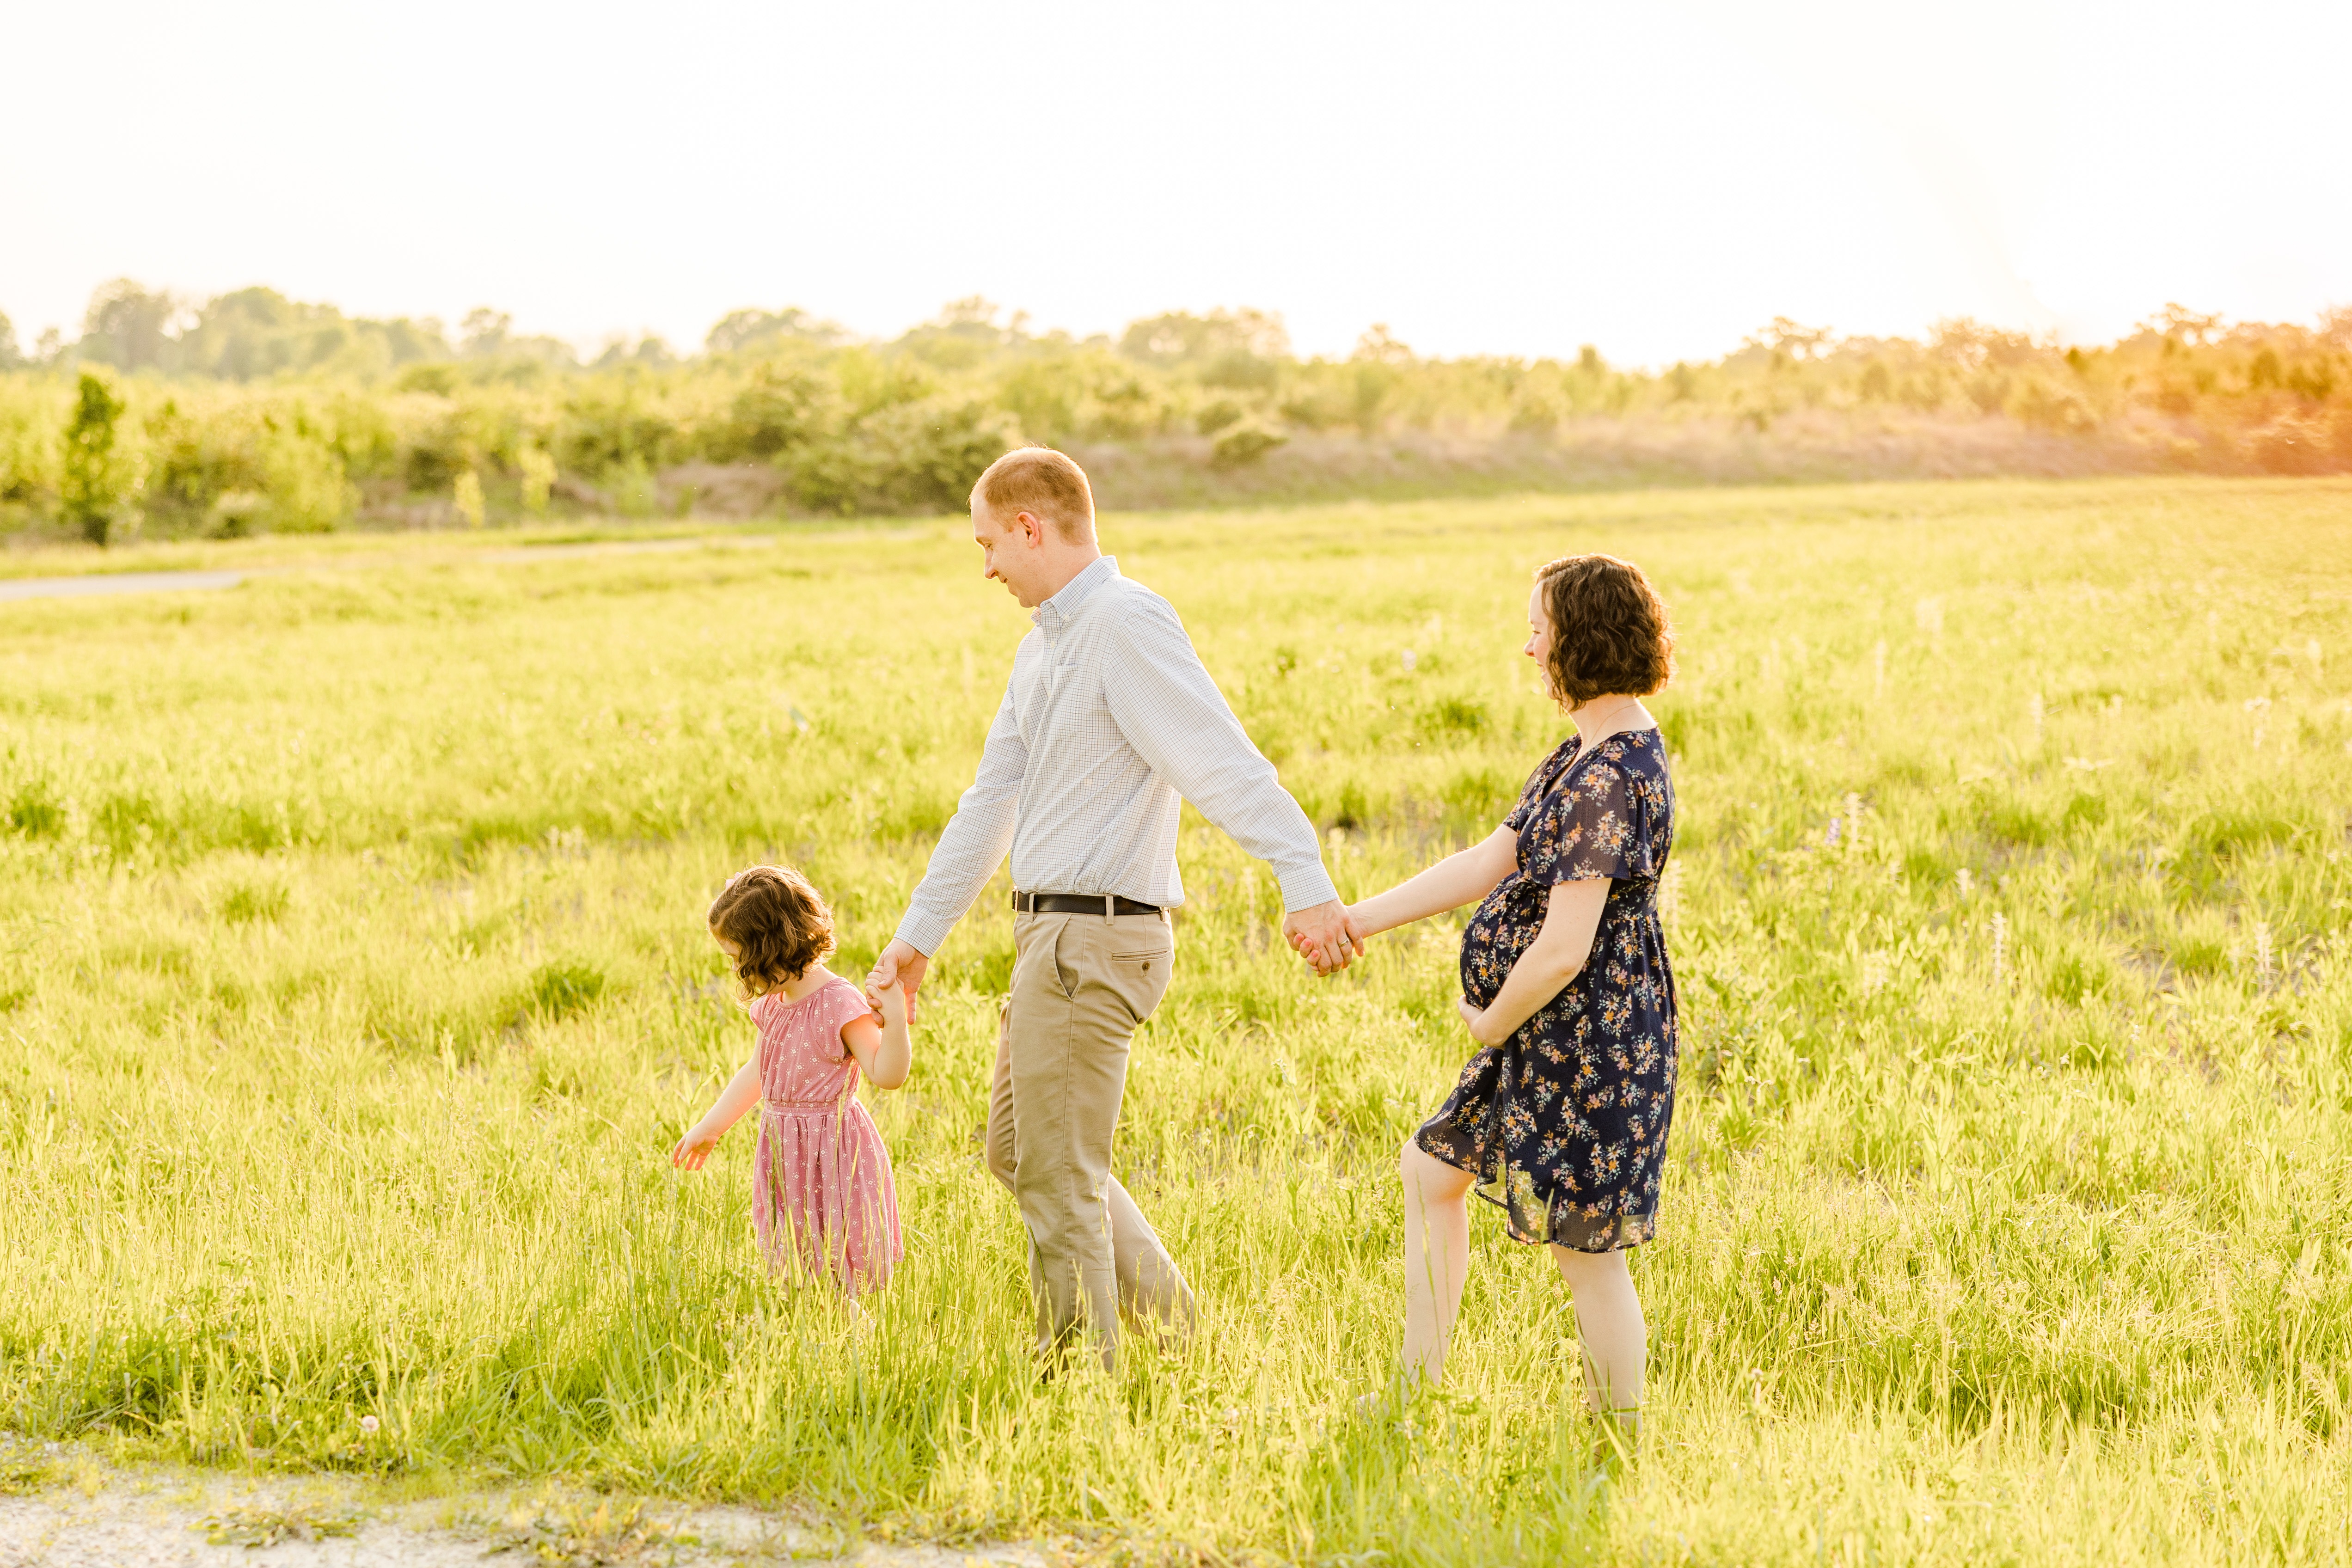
1436 1255
1615 1339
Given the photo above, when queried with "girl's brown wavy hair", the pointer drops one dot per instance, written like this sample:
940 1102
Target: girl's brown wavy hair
1609 629
780 922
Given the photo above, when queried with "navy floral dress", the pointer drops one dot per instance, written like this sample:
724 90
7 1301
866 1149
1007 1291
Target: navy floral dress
1564 1124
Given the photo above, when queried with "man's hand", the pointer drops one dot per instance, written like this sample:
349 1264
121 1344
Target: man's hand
1323 937
900 967
896 1007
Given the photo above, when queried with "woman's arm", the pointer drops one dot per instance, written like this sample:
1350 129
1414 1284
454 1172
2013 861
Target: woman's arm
742 1093
1571 918
1463 876
884 1052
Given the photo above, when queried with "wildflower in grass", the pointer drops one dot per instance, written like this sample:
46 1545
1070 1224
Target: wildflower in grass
1407 660
1999 947
2263 957
1830 839
368 1423
1967 881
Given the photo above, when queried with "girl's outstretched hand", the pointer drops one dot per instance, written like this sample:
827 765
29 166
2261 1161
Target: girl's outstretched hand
694 1148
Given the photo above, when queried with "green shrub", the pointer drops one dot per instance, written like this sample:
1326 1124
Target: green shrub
1245 444
782 410
908 457
97 481
614 422
1217 415
237 514
30 440
248 902
467 495
560 990
36 812
303 476
538 478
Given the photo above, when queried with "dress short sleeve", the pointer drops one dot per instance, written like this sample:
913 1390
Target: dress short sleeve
847 1005
1594 826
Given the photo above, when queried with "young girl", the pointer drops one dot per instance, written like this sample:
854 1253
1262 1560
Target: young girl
821 1188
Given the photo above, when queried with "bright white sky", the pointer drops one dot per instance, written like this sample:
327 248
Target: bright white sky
1656 179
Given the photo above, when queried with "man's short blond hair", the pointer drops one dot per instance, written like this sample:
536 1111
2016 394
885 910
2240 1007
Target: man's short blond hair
1044 483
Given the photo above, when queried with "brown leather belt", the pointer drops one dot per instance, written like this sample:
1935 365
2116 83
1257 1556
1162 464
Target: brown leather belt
1079 904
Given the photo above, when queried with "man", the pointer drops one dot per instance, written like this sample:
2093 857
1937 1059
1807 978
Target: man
1109 719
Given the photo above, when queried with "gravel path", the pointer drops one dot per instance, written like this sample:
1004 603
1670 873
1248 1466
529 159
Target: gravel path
71 1511
88 584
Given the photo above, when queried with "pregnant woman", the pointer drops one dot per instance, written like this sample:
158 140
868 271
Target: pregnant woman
1560 1117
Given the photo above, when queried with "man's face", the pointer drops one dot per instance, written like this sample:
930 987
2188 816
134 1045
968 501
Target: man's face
1009 553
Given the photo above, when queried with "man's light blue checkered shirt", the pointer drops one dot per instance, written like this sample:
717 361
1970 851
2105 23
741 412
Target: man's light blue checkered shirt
1107 725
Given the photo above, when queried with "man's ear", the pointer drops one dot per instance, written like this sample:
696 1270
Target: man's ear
1032 526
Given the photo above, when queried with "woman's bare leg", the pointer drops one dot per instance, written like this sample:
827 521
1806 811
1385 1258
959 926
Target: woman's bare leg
1436 1255
1609 1324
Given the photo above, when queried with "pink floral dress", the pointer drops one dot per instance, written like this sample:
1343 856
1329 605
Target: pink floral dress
822 1194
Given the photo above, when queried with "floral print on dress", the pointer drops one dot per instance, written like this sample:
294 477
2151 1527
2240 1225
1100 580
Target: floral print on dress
1564 1124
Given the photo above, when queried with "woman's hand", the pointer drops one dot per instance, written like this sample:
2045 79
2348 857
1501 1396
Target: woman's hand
695 1148
1321 936
1474 1016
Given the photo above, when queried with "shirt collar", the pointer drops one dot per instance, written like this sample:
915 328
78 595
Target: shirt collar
1063 608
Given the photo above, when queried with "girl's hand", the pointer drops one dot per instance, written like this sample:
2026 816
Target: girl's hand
695 1148
1474 1016
891 1003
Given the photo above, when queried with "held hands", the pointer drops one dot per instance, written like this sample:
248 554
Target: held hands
900 969
1328 936
892 1003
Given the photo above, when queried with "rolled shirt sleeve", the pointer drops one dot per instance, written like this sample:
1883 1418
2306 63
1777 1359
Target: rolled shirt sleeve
976 838
1168 710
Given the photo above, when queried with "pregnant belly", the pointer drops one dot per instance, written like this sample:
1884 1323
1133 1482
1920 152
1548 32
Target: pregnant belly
1491 943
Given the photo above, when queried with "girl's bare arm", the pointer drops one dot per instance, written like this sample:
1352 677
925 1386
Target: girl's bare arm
884 1054
742 1093
1463 876
1571 920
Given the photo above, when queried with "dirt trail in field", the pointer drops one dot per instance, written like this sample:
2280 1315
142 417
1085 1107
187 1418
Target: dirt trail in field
75 1512
180 582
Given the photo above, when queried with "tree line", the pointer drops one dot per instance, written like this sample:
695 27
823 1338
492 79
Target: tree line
252 411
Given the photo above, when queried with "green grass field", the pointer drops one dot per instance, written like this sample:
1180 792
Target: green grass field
352 987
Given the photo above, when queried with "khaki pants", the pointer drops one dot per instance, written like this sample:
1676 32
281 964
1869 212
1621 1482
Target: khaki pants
1081 985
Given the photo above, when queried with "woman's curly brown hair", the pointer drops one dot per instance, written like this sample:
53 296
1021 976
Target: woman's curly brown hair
1609 629
777 922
